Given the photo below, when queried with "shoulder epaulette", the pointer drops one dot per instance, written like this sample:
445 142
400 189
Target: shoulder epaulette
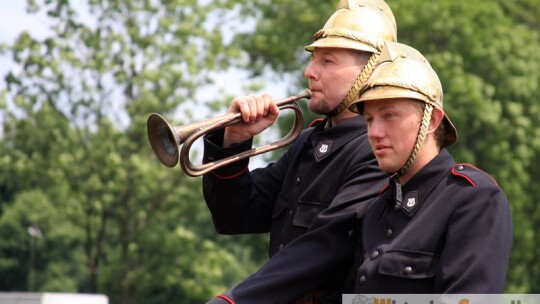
471 173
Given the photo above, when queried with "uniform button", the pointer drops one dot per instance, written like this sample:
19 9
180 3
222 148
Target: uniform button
374 254
362 280
460 168
408 270
298 180
280 246
389 233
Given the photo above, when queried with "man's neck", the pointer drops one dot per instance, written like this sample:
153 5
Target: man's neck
429 151
341 117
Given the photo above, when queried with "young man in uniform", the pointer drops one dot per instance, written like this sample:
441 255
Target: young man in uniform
327 176
439 227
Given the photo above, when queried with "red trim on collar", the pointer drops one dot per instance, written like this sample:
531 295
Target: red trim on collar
315 122
225 298
231 176
383 189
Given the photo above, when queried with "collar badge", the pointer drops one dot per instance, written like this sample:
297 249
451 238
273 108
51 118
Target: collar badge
324 148
411 203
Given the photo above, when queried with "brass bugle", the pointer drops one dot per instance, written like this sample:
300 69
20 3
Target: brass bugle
166 140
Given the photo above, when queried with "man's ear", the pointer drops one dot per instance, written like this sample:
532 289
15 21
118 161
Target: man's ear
436 118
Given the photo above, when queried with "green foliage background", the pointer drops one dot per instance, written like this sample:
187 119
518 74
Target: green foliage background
76 163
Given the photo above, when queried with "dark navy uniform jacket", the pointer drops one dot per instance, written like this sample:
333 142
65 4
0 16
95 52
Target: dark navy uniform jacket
452 233
326 169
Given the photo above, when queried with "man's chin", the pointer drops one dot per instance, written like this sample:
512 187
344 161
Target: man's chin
318 110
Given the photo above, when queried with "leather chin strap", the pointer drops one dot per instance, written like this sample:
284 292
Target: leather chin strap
358 87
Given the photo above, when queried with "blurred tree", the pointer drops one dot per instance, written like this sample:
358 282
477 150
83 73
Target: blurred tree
35 234
35 194
75 133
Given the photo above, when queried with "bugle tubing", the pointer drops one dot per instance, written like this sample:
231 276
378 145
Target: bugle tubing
166 139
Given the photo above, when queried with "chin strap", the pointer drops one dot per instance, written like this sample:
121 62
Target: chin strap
358 86
420 138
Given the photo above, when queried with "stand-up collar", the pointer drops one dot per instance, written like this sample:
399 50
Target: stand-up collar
325 141
415 191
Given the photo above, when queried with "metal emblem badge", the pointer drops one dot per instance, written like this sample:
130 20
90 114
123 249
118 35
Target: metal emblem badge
411 203
324 148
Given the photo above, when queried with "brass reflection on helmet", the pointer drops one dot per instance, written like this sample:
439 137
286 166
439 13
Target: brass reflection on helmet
357 24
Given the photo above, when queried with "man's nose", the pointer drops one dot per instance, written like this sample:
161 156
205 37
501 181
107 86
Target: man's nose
310 72
375 130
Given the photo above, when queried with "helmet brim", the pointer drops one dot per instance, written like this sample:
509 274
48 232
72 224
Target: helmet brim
340 42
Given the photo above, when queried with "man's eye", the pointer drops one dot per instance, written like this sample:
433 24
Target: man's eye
368 120
389 115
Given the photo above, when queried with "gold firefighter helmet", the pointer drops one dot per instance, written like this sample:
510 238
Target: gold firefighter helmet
403 72
357 24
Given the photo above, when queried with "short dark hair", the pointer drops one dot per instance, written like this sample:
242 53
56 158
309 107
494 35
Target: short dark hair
363 57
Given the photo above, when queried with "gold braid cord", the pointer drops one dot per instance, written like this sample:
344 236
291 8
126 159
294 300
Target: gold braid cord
422 133
375 42
358 86
397 81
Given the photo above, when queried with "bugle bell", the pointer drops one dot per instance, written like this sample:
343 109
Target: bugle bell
166 139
